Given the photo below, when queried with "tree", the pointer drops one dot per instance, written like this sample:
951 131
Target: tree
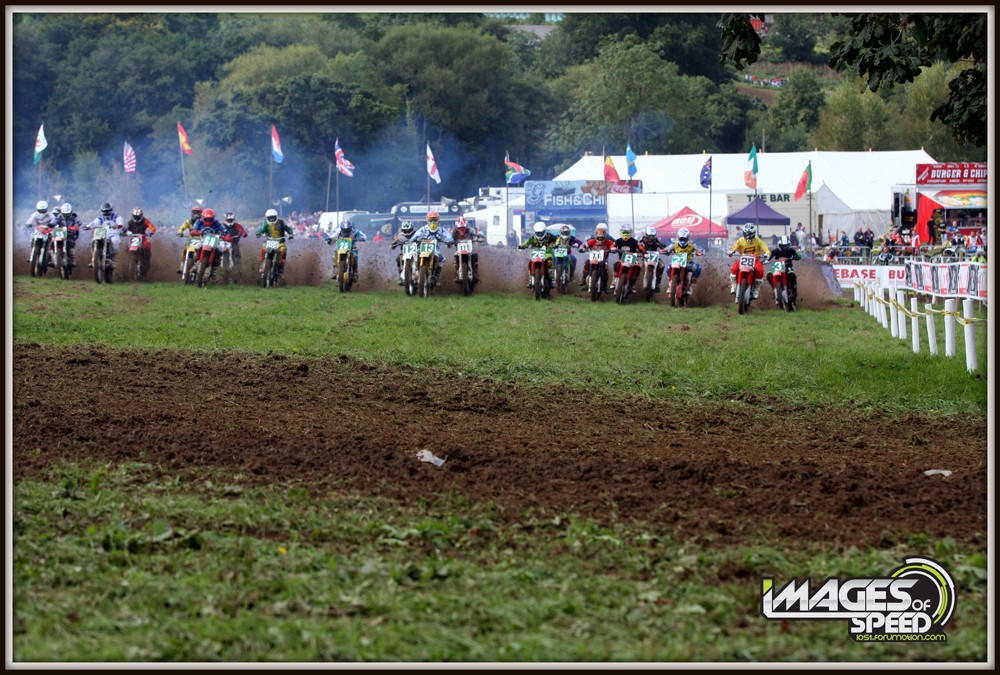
889 49
853 120
799 100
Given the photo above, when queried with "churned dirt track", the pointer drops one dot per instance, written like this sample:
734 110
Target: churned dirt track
715 473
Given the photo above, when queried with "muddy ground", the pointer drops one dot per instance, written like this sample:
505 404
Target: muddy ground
502 270
712 473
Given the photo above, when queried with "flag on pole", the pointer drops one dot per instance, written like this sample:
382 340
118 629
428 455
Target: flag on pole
750 174
610 172
40 143
129 158
805 182
276 145
343 165
630 160
515 172
432 167
182 135
706 174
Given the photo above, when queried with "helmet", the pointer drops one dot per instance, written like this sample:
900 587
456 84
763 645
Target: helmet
230 217
683 235
67 209
432 216
407 228
271 216
345 228
208 215
539 228
461 222
565 231
601 231
42 206
137 213
650 231
626 231
106 209
749 231
784 241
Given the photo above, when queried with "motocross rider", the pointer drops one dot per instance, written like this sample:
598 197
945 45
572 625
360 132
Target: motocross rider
138 224
683 244
462 232
347 231
541 238
187 225
785 250
651 243
749 243
432 230
72 223
209 224
275 227
567 239
108 218
41 217
234 230
404 235
624 243
599 241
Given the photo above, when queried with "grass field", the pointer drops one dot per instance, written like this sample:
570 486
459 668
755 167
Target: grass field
117 563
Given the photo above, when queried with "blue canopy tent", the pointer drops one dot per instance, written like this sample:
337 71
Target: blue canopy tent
758 213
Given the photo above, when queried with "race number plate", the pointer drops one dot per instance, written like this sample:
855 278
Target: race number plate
427 248
210 240
630 259
344 245
778 266
409 250
748 261
465 247
560 252
272 244
100 232
224 245
134 243
59 233
679 260
537 254
597 256
652 258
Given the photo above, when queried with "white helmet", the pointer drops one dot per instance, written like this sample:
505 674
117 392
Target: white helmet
67 209
540 228
650 231
271 216
42 206
749 231
784 241
683 235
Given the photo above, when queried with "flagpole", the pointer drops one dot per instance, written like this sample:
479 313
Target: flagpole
709 212
810 216
328 176
338 196
40 193
187 202
270 180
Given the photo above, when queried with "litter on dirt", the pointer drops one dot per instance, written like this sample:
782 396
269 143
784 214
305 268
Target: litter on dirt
428 456
935 472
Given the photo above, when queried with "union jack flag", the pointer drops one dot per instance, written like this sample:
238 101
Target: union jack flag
343 165
129 158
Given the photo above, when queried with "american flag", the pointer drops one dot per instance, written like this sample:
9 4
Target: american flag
129 158
343 166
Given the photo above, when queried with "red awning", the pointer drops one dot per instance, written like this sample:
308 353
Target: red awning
693 221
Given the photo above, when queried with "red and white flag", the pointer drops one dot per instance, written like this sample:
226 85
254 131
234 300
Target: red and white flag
129 158
343 165
432 167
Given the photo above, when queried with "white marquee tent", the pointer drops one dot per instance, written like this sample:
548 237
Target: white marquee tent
850 190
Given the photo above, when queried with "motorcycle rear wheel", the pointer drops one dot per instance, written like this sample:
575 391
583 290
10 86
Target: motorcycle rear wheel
779 289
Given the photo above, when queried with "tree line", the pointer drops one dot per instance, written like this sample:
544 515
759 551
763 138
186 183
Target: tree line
474 87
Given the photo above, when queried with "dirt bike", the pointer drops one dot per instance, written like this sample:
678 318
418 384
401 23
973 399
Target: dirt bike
779 281
650 261
342 263
679 279
225 257
209 256
40 247
597 282
269 271
428 266
138 263
409 261
538 267
745 277
560 256
100 255
628 272
192 248
466 280
60 252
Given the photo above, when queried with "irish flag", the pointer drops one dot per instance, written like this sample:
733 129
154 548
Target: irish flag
750 174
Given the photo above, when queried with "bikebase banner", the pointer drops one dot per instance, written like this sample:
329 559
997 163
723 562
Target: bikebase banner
884 275
948 280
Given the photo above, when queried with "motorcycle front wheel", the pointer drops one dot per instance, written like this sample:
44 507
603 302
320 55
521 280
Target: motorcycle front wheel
742 293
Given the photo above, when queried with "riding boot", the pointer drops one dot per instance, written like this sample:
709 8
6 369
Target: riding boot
690 288
756 288
732 284
531 282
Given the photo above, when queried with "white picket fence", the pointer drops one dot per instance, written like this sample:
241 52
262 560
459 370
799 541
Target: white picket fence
888 305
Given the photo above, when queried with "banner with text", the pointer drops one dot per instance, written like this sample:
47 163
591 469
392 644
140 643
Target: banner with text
884 275
948 280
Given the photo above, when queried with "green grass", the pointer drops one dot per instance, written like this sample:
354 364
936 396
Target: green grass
838 357
112 565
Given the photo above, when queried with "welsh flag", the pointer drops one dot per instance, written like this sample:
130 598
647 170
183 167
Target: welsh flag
805 182
40 143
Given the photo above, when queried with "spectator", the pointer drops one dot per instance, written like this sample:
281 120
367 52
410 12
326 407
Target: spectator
800 236
512 240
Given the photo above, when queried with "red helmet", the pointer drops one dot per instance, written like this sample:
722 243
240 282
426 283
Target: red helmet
208 215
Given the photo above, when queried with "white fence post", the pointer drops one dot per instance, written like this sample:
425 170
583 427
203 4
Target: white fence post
949 326
901 300
893 315
931 331
883 315
915 325
971 360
